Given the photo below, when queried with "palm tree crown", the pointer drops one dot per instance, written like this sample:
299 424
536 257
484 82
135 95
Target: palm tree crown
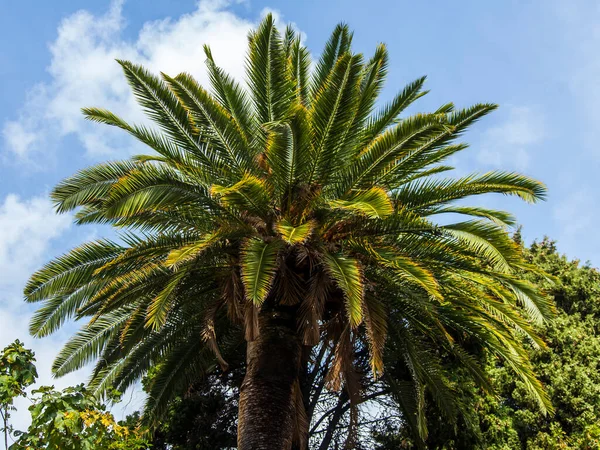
293 195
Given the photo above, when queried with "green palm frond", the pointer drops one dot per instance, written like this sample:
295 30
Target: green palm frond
390 146
57 310
331 113
258 265
271 88
70 271
162 106
184 254
248 194
498 217
231 96
384 118
337 45
487 240
428 193
216 127
373 203
288 150
299 66
88 343
160 306
89 185
347 274
295 235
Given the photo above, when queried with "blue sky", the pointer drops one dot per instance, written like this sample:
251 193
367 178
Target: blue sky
537 59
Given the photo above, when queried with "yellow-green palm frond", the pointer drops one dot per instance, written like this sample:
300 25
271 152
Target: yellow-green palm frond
258 265
347 274
295 235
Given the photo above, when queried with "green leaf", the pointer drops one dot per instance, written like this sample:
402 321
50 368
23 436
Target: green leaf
373 203
159 308
249 194
268 80
347 274
295 235
259 264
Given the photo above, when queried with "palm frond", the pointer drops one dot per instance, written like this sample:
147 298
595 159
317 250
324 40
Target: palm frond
386 116
271 88
294 235
331 114
231 96
338 44
258 264
347 274
373 203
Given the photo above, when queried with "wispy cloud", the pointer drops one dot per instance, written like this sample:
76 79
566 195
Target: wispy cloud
28 229
508 144
84 73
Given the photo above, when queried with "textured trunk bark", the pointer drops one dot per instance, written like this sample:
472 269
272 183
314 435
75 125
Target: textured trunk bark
267 407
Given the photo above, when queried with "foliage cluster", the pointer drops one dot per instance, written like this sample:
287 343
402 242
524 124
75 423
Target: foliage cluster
569 368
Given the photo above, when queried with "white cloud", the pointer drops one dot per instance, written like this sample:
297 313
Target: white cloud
84 72
30 231
506 145
19 140
28 228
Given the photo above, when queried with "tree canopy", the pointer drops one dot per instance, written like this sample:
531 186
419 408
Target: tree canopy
294 218
568 367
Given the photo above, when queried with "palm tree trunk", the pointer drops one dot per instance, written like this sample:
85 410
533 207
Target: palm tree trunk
267 407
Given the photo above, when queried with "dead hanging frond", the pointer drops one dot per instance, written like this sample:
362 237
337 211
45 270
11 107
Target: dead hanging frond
301 423
375 317
311 309
251 329
352 437
289 282
209 334
342 373
233 295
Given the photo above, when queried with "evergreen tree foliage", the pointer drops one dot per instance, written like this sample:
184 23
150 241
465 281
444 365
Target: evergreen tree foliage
569 368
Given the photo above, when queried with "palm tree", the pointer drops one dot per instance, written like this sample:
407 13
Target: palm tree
297 214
